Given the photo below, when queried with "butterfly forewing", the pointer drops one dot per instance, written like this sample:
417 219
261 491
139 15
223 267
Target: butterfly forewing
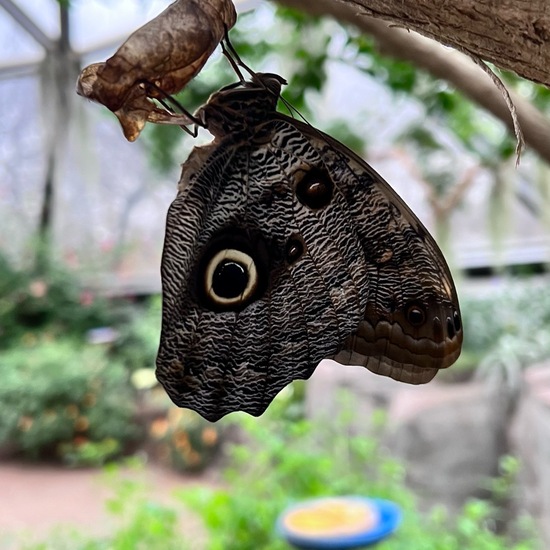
284 248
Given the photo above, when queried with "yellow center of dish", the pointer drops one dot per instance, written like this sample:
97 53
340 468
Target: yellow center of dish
331 517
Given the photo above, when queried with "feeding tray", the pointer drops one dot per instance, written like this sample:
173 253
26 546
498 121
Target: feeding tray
338 523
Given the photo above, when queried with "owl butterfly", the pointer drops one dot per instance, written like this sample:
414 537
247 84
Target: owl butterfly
283 248
157 60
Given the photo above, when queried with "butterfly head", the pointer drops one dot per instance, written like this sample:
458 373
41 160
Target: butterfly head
239 108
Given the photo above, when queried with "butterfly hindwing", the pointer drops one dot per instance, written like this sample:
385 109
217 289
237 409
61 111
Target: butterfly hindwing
283 248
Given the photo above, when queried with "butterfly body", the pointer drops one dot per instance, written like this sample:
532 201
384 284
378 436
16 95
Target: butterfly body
283 248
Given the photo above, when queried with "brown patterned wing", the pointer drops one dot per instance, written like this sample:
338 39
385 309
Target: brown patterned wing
412 325
283 248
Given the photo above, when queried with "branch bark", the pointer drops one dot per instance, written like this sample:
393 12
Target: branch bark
443 62
513 34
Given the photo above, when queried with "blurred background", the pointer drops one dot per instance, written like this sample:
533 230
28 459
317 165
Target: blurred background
89 441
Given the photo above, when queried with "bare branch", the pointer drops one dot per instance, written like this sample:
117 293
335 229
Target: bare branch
512 34
444 63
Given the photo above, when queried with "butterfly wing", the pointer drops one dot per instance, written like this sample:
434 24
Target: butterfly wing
412 324
284 249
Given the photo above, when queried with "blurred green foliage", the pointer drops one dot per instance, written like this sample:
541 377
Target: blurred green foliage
61 397
285 462
441 101
505 331
65 401
282 462
138 333
52 301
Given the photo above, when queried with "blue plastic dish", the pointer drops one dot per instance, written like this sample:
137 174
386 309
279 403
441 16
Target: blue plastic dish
387 520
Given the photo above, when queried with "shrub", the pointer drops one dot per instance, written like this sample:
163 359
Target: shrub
506 331
185 439
284 463
60 399
138 340
53 302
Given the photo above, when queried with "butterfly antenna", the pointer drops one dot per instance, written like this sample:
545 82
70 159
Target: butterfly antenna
293 110
233 57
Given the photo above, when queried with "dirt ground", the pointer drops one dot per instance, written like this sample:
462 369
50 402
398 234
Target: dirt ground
35 499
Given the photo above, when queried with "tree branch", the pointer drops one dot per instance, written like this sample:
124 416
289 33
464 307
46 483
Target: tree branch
513 34
441 62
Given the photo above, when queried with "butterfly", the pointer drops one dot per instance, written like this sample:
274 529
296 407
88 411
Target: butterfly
283 248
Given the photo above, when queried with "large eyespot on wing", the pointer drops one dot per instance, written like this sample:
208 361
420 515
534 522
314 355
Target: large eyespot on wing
233 270
213 355
409 344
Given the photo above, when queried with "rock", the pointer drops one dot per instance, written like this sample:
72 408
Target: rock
334 386
450 436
